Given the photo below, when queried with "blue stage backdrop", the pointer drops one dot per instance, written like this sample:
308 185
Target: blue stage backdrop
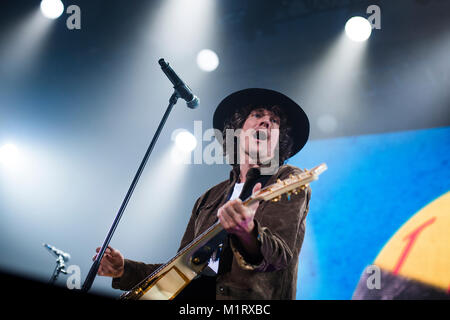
373 185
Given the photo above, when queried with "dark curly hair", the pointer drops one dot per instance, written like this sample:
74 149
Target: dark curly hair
236 121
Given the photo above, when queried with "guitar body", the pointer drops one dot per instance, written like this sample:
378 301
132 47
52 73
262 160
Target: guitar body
168 281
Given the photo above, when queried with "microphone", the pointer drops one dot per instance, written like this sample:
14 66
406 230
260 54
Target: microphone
182 89
57 252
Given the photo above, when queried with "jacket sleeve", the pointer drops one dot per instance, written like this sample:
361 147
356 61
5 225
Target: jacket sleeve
280 231
135 272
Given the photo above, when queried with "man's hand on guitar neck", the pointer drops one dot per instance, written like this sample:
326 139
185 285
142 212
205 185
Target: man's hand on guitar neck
237 219
112 264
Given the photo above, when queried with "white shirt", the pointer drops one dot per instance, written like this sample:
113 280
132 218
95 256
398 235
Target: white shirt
214 265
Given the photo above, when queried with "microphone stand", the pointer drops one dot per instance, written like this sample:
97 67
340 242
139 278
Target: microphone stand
95 266
59 268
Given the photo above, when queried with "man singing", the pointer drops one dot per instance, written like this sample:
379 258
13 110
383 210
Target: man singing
259 259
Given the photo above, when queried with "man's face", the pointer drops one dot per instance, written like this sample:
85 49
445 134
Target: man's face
259 136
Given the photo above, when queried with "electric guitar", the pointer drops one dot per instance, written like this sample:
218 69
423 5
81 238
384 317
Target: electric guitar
171 278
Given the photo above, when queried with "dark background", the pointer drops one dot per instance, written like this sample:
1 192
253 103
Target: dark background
82 105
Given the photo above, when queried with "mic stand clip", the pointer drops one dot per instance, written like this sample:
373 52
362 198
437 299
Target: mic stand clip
60 268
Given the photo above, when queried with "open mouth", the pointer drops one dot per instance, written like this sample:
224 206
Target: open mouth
260 135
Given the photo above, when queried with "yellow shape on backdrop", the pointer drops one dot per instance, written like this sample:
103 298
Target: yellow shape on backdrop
420 249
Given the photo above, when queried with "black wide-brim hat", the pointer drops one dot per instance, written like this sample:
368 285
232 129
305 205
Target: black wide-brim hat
296 117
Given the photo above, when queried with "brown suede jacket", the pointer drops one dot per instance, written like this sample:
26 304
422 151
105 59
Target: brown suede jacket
280 228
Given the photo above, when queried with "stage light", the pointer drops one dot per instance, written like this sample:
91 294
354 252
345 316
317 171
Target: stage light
358 29
52 9
9 155
185 141
207 60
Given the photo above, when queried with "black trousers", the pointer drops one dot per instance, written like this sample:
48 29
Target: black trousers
202 288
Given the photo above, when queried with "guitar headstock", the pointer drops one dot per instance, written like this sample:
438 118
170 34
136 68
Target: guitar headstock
292 185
